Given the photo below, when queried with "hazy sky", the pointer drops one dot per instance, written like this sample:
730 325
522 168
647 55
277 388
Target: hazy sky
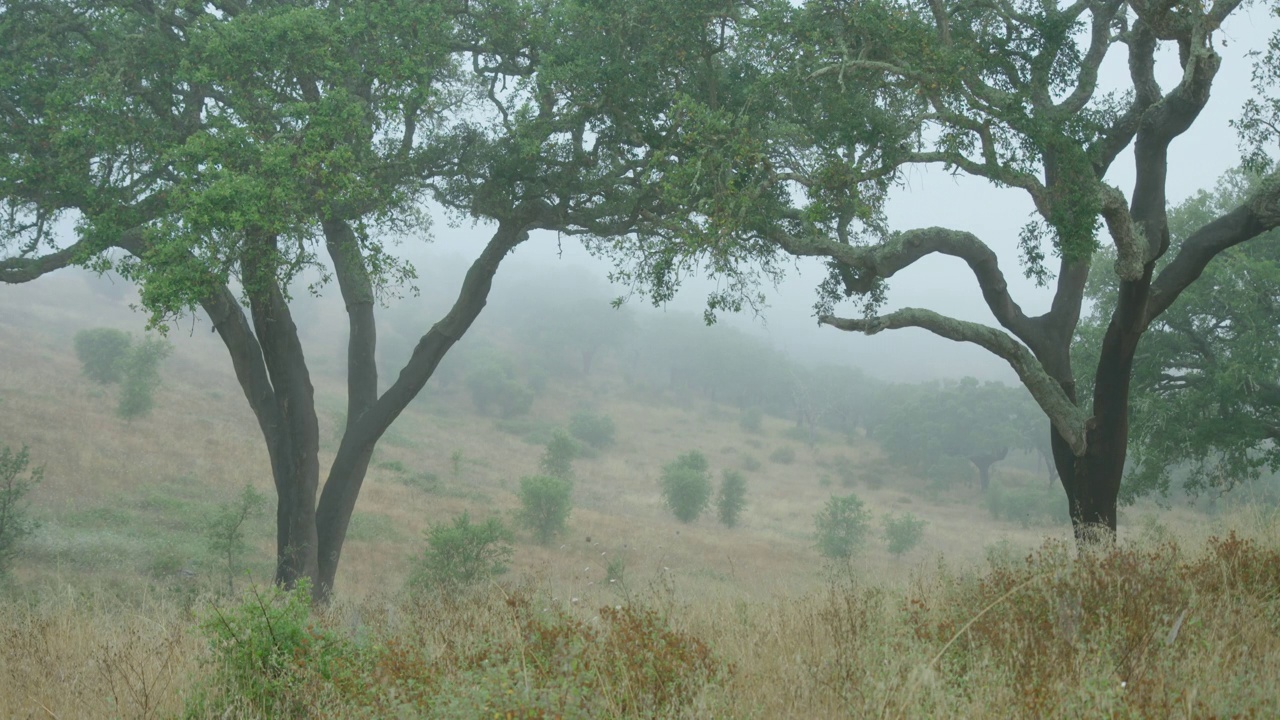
931 197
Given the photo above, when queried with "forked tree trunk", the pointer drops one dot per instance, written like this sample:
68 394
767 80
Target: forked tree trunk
983 462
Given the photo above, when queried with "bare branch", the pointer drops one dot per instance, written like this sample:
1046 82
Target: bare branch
1068 419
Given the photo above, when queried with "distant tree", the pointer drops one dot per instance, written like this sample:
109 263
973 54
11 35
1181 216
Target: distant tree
979 422
16 482
732 497
841 527
141 377
557 459
545 503
101 352
686 486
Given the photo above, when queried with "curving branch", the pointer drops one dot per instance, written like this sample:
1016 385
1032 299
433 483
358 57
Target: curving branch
867 265
1068 419
23 269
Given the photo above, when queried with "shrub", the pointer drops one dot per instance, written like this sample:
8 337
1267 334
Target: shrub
101 352
595 430
15 483
269 656
750 464
462 553
544 506
841 527
226 530
557 460
732 497
903 533
784 455
686 486
141 368
752 419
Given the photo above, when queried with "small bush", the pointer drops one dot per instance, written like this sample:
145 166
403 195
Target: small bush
732 497
101 352
752 419
750 464
841 527
462 553
686 486
784 455
595 430
545 503
15 483
557 460
225 530
268 656
903 532
141 377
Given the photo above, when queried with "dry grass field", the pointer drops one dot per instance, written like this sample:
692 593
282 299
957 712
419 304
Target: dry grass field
116 598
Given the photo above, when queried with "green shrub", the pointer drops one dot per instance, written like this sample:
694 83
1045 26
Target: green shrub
141 377
750 464
557 459
784 455
752 419
686 486
225 530
101 352
462 553
903 532
841 527
732 497
595 430
268 656
545 503
15 521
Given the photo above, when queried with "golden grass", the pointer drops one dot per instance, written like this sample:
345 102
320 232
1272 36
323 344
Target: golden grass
95 637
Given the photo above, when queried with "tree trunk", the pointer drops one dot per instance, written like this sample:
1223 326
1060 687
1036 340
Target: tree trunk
587 357
983 462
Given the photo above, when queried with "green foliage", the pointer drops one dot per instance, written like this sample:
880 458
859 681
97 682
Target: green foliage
268 658
462 553
16 482
750 463
595 430
903 532
1204 398
545 503
225 531
752 419
101 352
141 377
495 389
784 455
845 469
557 459
841 527
686 486
732 497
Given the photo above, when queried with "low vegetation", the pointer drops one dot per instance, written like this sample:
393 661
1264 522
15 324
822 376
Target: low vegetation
686 486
